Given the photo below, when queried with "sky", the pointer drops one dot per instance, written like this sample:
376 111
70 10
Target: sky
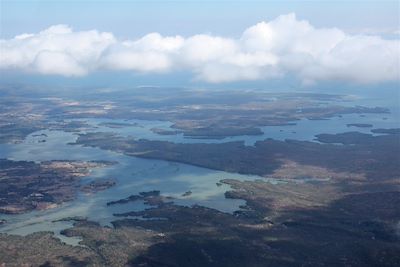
202 41
132 19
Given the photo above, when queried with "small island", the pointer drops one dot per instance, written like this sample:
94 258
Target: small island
360 125
98 185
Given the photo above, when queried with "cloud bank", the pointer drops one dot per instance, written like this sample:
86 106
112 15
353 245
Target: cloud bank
283 46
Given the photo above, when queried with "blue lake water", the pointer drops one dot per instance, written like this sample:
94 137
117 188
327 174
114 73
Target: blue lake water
134 175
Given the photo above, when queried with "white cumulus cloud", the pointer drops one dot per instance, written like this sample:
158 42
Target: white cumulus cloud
56 50
283 46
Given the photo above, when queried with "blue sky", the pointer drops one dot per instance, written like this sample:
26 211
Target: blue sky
132 19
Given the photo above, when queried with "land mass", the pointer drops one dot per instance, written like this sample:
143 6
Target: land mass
360 155
26 185
332 203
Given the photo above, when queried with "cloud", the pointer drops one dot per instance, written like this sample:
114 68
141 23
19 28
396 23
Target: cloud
56 50
283 46
49 62
151 53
